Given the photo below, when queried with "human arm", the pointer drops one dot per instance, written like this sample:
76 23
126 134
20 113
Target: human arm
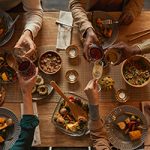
128 51
77 8
29 121
97 130
33 22
130 11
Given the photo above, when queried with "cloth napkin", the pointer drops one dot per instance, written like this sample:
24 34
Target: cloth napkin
37 138
146 112
64 31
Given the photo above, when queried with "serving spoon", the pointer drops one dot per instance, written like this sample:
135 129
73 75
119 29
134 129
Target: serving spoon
12 24
76 110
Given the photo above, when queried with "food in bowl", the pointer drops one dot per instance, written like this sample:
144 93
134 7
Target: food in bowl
40 87
136 71
7 74
64 120
50 62
131 126
5 124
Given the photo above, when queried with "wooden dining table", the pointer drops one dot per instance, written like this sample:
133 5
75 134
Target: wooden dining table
46 40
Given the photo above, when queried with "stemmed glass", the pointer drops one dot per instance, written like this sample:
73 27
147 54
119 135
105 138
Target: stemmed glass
97 71
23 64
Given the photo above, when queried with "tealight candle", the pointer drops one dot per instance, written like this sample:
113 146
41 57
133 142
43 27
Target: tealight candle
72 51
72 76
121 95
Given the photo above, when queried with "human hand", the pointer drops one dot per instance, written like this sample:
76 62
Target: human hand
26 41
90 38
91 91
126 18
27 85
126 51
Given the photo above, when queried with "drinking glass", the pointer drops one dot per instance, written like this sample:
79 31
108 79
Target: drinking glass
95 52
97 72
24 65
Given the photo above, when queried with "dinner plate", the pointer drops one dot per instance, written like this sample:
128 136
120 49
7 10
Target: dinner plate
13 132
8 21
115 29
117 138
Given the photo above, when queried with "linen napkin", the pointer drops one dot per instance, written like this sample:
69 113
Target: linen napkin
146 112
36 139
64 30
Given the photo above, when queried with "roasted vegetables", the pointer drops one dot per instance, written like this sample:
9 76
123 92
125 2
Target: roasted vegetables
5 123
7 74
65 119
131 126
105 30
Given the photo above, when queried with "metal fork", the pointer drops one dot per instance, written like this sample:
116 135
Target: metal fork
110 21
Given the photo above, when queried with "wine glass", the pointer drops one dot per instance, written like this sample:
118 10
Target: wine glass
24 65
97 71
95 53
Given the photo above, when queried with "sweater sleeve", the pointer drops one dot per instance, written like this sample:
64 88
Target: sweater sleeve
97 130
33 16
79 15
28 124
134 6
144 46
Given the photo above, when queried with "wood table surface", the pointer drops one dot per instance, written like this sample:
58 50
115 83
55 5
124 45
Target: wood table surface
45 40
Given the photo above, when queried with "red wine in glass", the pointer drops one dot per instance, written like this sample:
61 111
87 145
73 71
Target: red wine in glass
95 52
26 67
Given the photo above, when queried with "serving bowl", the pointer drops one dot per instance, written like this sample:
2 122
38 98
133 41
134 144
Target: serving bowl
5 23
136 71
50 62
64 121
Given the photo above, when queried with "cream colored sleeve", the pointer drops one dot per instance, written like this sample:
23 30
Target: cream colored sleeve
33 16
134 6
98 135
77 8
144 46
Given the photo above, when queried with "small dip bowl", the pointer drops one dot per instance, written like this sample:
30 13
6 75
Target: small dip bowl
72 76
121 96
50 62
72 51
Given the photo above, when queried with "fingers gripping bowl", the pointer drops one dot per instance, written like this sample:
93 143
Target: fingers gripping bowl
136 71
50 62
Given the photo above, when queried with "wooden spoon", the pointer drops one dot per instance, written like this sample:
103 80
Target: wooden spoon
76 110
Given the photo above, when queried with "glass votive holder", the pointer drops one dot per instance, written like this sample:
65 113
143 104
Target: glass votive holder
121 95
72 51
72 76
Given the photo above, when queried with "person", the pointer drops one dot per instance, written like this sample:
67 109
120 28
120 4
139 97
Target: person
33 21
130 9
29 121
96 125
128 51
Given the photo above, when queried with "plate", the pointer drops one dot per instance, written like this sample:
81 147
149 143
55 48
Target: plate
14 131
36 96
115 30
79 133
8 22
45 81
115 136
